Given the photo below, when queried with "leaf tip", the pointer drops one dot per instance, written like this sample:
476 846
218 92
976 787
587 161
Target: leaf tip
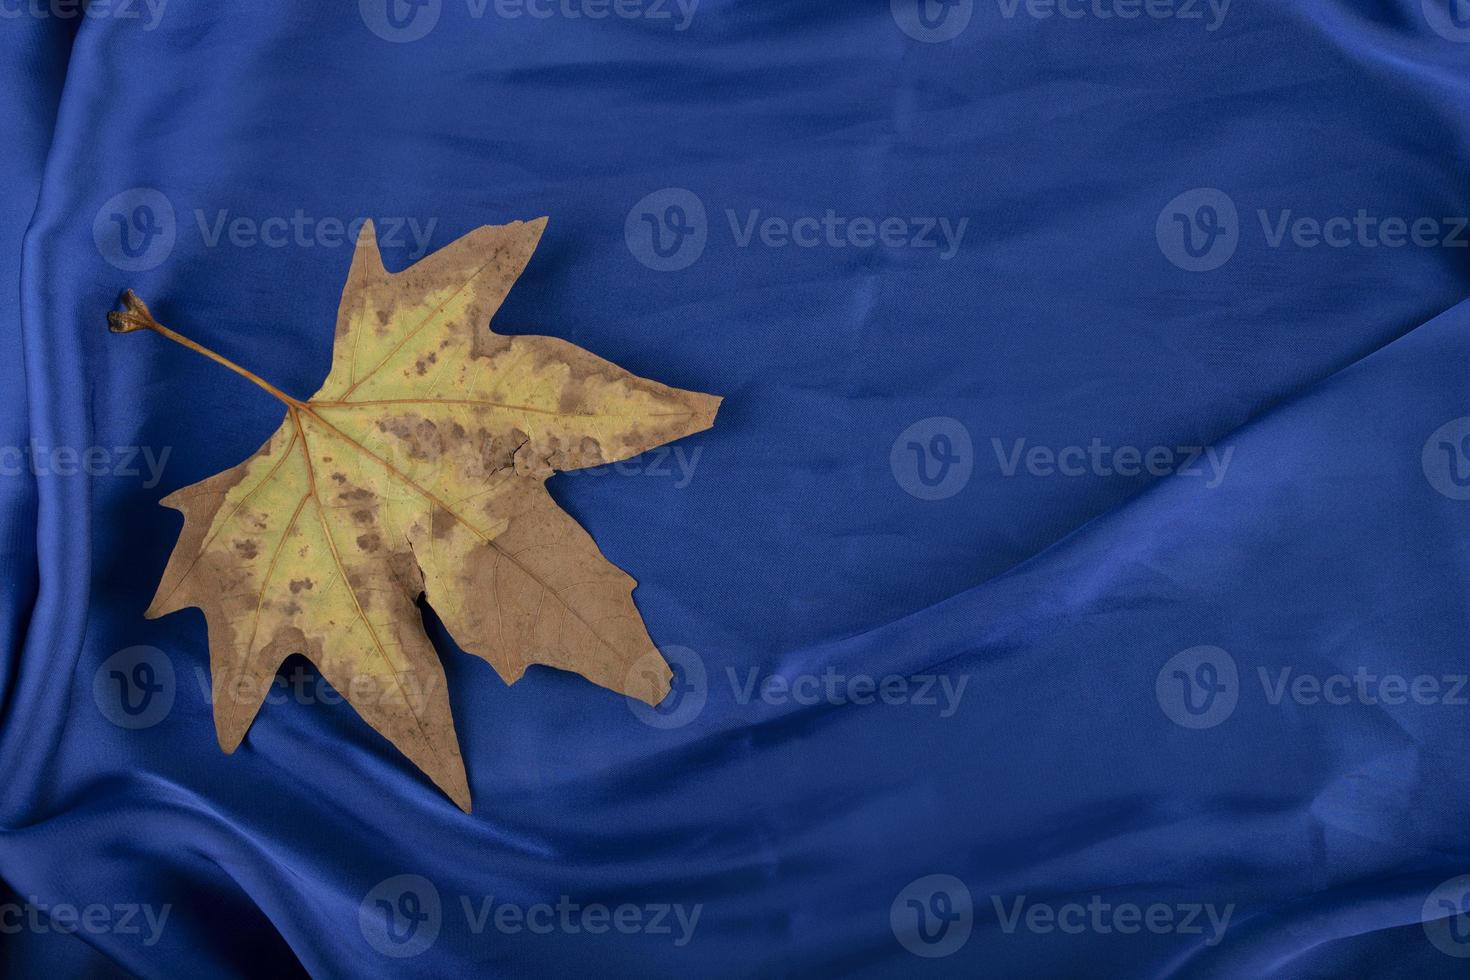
532 229
651 680
705 408
455 785
229 742
713 403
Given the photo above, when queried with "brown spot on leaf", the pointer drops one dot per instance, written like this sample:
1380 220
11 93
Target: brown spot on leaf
246 548
297 584
369 541
420 437
490 455
573 393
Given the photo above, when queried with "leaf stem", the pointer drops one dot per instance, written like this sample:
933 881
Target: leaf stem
136 316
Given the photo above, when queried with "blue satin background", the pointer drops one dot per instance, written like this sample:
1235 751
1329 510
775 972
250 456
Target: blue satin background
792 549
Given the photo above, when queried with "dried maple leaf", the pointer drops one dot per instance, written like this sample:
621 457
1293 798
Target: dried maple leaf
418 468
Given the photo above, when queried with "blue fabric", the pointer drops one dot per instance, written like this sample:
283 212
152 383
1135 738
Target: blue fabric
1115 657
